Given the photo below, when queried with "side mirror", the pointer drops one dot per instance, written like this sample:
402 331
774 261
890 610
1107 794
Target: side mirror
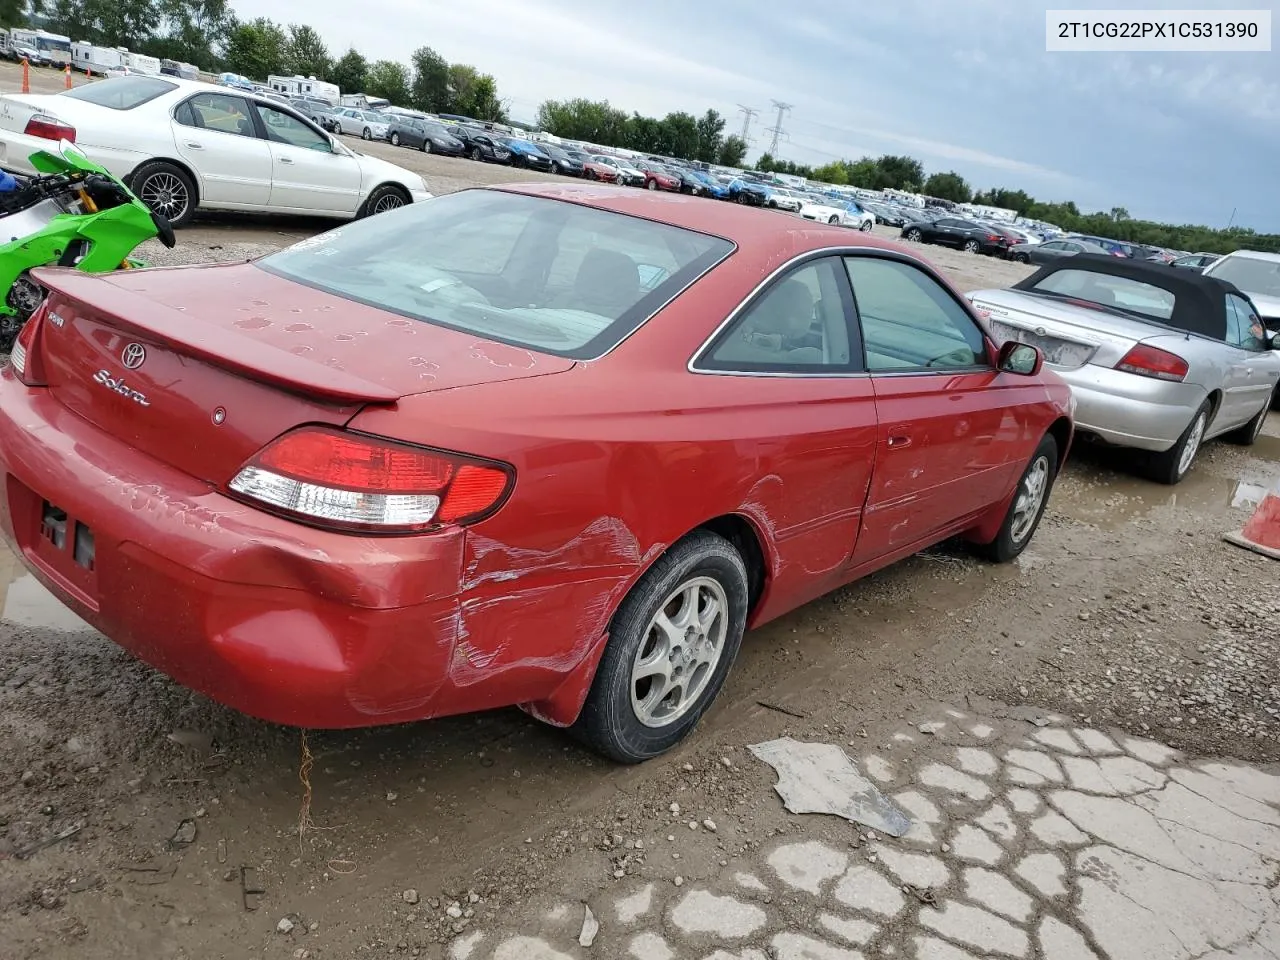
1274 341
1020 358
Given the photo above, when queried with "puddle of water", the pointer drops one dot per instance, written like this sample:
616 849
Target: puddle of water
25 602
1099 493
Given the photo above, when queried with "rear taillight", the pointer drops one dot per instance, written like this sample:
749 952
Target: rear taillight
351 481
49 128
24 357
1148 361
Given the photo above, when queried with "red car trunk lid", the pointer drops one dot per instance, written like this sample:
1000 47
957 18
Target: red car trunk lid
201 367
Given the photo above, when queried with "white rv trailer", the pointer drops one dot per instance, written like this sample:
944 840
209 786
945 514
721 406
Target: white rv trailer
140 63
92 59
54 45
300 86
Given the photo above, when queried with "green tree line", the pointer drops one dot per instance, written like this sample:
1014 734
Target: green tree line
208 34
677 134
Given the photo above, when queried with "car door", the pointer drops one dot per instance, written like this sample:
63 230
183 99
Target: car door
1254 368
351 122
215 133
947 231
953 431
792 394
307 175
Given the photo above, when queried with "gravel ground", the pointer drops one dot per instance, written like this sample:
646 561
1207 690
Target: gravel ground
1129 611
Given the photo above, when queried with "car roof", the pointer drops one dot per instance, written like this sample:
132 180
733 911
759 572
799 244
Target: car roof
1252 255
1199 304
739 224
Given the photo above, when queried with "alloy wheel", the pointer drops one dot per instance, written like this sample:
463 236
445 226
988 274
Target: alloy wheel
680 652
389 201
1030 500
166 194
1192 446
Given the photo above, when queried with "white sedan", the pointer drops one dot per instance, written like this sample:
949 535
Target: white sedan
180 145
845 215
364 124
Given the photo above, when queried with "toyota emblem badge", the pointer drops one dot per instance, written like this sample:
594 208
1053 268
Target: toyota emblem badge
133 356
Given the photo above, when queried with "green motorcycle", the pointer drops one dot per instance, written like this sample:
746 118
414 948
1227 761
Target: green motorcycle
72 214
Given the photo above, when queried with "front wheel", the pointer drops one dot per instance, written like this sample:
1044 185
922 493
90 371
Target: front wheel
384 198
1175 463
426 145
915 236
1029 502
476 154
1248 435
833 219
366 134
671 645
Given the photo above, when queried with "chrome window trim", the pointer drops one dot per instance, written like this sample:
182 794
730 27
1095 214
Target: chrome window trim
840 251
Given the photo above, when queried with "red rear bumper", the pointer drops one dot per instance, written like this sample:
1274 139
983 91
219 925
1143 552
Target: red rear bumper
280 621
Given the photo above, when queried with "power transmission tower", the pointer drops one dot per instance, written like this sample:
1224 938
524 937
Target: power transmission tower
776 129
747 114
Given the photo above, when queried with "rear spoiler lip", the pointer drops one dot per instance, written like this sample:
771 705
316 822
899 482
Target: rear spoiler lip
221 348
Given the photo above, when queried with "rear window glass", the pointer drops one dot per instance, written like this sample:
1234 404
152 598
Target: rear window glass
121 93
543 274
1120 293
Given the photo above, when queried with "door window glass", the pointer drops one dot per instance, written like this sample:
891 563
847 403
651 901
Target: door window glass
283 128
909 321
1244 328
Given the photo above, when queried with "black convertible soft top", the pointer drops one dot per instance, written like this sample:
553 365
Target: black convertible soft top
1199 302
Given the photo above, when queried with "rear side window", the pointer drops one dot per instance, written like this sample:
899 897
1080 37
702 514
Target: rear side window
121 93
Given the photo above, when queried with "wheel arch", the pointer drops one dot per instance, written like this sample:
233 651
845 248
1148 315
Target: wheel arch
1062 431
562 706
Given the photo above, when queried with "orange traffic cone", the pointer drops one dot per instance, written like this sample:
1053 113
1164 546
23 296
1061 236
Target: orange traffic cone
26 76
1262 533
68 80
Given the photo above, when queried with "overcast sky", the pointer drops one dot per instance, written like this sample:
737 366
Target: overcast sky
958 84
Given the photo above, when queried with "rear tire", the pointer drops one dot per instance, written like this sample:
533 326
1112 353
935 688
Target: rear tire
166 189
833 220
971 246
705 567
476 154
866 226
1030 498
1174 464
426 145
1021 258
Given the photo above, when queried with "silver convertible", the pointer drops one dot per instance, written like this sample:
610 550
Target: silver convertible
1159 360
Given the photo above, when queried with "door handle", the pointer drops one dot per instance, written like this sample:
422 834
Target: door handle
286 160
193 145
898 442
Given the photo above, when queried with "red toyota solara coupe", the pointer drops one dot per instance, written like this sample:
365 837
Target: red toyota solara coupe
553 446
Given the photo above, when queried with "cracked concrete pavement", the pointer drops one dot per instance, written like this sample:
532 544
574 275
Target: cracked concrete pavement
1029 838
